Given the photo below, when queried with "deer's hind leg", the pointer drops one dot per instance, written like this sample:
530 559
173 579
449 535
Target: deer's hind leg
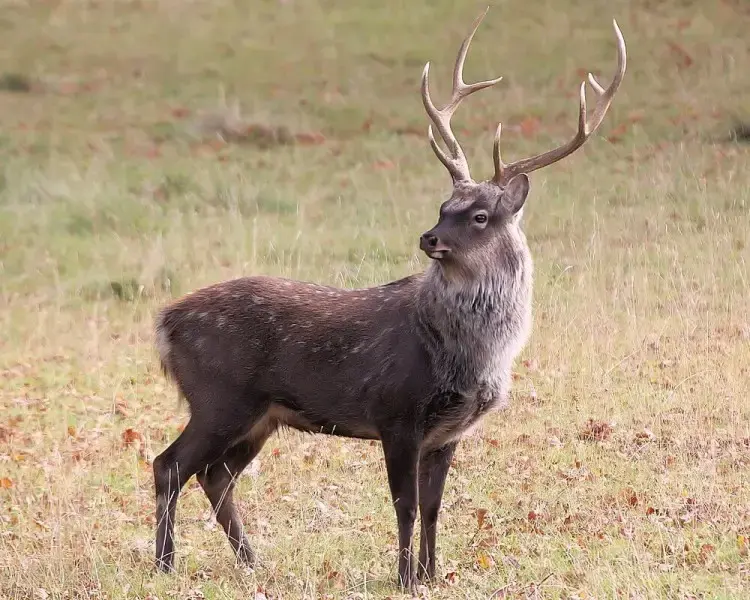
190 452
218 481
209 436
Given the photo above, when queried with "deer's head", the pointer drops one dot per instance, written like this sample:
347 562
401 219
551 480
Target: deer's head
480 222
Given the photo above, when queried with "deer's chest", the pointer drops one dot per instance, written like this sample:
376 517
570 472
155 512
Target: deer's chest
452 415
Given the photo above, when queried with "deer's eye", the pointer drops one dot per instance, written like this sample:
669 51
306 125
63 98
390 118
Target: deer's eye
480 218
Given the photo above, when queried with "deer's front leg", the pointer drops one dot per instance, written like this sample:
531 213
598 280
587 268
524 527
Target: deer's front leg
401 459
433 467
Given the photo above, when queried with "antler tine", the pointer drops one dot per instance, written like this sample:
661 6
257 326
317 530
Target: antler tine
457 164
586 126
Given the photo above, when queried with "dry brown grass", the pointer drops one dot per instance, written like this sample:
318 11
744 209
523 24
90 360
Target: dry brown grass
621 469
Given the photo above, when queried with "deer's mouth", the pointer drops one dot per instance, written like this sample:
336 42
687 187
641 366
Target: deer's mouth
432 246
437 253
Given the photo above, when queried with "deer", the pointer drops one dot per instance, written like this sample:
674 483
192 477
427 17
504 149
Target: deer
415 363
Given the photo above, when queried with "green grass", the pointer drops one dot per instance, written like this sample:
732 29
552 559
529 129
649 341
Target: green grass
111 204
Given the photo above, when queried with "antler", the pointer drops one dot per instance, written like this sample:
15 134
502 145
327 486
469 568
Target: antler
457 165
504 173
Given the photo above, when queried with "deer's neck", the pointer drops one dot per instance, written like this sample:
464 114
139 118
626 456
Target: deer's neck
474 328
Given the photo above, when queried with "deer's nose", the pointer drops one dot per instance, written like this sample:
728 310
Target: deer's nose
429 240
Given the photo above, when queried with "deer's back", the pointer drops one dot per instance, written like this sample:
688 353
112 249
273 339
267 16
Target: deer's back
298 343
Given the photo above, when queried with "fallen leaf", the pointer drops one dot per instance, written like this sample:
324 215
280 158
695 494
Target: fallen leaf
595 431
579 473
6 483
484 560
451 577
71 431
705 552
5 433
68 88
409 130
742 546
130 436
121 408
644 436
181 112
275 452
529 126
480 514
512 561
337 580
310 138
635 117
684 58
629 496
617 133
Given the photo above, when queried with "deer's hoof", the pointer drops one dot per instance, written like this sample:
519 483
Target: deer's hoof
165 564
246 557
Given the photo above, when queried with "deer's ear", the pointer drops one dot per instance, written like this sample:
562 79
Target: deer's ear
514 194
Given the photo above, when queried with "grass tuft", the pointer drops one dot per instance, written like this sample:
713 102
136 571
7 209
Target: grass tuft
15 82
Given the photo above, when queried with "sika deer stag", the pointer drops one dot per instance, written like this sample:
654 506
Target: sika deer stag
414 363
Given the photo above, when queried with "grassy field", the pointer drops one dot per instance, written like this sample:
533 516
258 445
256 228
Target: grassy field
621 469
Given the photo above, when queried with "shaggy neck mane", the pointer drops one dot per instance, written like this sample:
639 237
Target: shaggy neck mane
484 297
468 325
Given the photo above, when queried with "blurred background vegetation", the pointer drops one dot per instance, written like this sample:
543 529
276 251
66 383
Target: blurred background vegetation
148 147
